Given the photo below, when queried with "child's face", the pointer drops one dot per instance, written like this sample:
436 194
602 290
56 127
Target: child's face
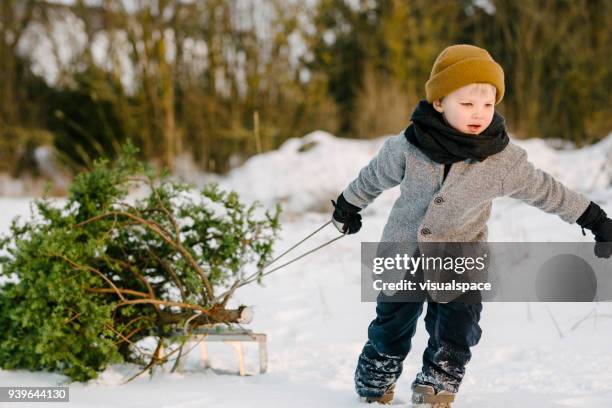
468 109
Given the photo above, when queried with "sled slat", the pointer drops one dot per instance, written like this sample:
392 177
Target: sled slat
235 339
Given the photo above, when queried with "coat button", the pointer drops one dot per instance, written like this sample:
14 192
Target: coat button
438 200
425 231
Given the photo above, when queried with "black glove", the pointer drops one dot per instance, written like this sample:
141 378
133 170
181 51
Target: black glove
345 217
603 236
596 220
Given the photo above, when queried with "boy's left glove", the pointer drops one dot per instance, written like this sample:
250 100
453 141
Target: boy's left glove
603 236
596 220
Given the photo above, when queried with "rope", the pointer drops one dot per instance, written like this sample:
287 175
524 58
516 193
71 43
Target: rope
290 249
260 272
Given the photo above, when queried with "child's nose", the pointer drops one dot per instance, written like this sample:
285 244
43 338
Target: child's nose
478 114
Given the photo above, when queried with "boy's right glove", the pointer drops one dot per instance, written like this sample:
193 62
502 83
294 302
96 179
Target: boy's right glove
345 217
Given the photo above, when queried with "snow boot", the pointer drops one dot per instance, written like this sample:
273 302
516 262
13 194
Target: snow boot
386 398
424 396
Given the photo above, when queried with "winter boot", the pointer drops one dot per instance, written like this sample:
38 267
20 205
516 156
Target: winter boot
424 396
386 398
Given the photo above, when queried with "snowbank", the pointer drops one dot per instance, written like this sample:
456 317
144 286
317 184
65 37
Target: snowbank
304 174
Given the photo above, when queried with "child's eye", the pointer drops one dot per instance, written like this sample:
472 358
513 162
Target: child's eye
466 104
488 105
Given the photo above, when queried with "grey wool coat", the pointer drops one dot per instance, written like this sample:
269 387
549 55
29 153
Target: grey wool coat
457 209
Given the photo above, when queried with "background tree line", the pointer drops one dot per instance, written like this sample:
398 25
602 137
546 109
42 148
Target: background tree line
229 78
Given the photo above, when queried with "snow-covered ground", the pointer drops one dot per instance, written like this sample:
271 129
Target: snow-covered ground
529 355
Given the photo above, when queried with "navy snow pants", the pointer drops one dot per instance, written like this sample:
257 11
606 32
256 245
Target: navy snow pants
453 328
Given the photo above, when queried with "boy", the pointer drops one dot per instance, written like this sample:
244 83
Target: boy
450 163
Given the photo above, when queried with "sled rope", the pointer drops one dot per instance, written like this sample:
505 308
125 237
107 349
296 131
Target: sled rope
259 273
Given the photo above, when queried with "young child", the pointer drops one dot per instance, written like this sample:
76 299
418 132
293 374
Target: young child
450 163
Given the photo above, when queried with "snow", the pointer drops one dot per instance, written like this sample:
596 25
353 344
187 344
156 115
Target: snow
42 43
317 325
306 172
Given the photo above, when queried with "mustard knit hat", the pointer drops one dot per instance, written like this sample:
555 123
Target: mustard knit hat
460 65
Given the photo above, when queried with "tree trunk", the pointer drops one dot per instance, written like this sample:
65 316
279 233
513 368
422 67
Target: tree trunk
242 315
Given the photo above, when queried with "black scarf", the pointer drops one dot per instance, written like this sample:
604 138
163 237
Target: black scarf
445 145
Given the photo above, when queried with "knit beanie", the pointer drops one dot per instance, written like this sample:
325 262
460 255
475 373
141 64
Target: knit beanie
460 65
